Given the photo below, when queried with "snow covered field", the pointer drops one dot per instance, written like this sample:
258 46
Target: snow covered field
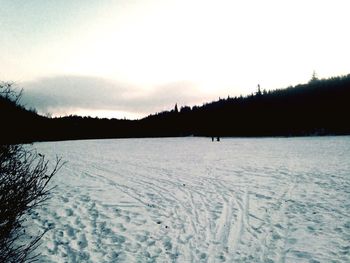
193 200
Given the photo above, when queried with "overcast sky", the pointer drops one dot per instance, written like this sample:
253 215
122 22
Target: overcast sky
130 58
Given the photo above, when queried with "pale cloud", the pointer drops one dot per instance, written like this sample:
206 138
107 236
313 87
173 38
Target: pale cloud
63 95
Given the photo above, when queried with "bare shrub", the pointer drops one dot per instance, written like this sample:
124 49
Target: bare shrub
24 178
8 92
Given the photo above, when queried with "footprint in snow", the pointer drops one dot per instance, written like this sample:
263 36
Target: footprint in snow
69 212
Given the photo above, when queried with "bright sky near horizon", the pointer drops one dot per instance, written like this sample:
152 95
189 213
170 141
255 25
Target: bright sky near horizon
135 57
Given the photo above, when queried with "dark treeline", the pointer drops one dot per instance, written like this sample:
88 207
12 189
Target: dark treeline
320 107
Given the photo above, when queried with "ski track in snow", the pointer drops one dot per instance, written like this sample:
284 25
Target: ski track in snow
190 200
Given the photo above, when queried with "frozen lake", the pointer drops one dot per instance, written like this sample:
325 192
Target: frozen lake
193 200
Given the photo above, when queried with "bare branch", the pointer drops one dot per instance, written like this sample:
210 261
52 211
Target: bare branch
24 178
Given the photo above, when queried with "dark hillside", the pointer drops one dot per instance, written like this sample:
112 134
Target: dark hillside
17 123
317 108
320 107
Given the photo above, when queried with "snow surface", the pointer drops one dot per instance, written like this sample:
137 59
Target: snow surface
193 200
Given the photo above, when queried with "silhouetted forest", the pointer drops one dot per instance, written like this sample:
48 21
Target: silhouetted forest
320 107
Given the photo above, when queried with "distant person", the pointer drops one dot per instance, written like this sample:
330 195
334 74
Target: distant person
212 138
218 139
